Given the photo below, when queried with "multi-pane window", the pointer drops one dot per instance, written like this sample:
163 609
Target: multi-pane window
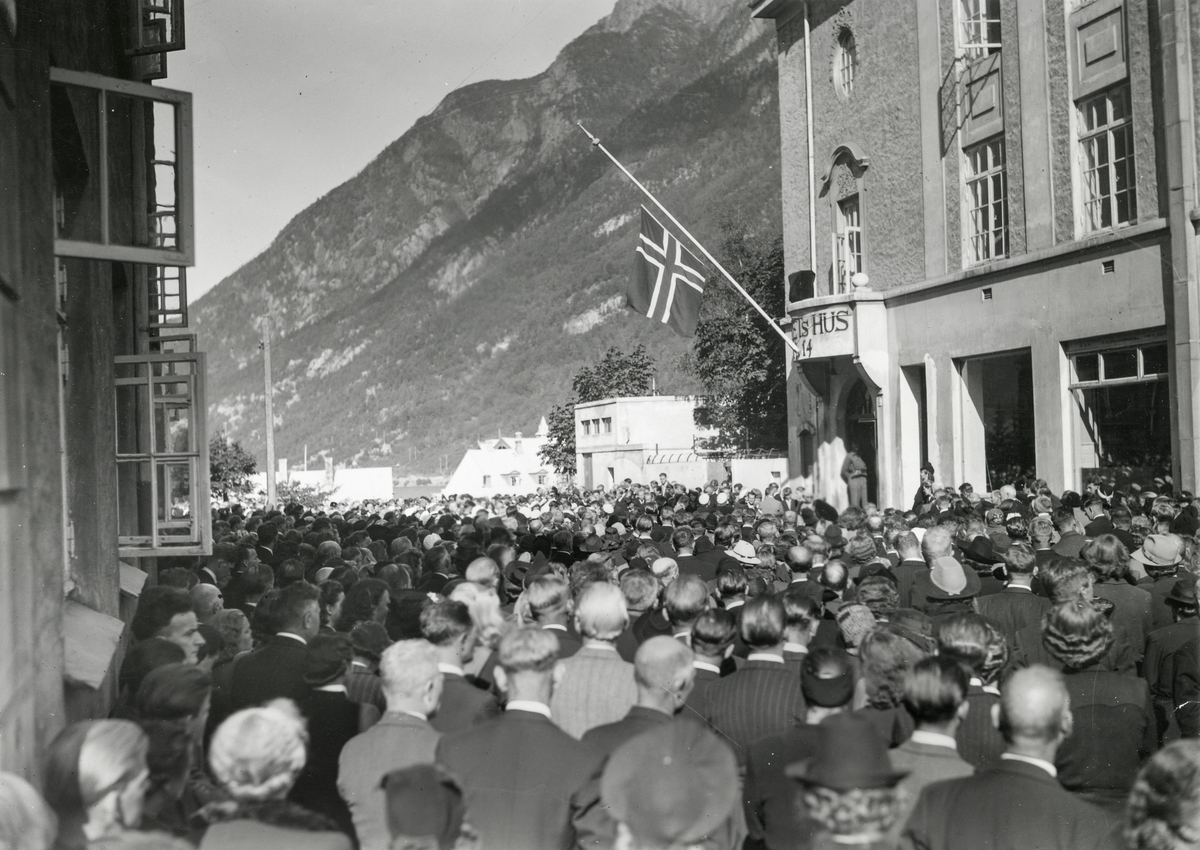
849 242
987 202
162 455
587 427
607 422
847 61
1106 160
980 34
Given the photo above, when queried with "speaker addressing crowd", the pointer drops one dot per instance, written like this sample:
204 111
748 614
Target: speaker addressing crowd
654 667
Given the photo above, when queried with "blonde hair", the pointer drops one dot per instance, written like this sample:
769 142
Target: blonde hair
484 607
257 753
26 822
601 611
113 752
406 667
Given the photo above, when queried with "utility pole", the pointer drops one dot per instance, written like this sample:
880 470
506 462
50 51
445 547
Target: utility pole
266 348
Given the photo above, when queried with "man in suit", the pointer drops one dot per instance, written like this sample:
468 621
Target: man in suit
763 697
412 685
1163 650
167 613
436 569
447 626
664 676
684 600
276 669
1017 606
803 618
910 567
712 647
1041 535
723 539
520 773
688 562
1070 539
549 598
267 533
827 679
935 694
1018 803
597 685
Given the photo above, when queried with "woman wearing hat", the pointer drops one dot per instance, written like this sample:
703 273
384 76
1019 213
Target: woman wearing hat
848 789
96 779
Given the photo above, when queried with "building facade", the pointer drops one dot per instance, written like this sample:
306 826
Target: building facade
640 438
990 216
505 466
103 455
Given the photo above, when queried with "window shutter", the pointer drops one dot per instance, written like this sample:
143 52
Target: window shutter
1098 47
983 101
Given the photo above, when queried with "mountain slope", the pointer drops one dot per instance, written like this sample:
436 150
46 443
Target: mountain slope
455 285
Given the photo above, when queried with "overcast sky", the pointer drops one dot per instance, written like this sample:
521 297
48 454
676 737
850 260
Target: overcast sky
292 97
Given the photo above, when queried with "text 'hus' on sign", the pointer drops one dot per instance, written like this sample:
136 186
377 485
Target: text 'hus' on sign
825 332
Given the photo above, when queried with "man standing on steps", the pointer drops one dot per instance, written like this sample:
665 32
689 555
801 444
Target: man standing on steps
854 473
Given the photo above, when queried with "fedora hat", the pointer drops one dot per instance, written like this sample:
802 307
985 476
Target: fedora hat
947 579
833 535
981 550
1160 550
1183 594
850 754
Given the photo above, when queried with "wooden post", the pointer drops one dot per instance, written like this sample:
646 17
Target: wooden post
266 347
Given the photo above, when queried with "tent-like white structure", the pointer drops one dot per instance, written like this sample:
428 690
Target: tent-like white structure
504 466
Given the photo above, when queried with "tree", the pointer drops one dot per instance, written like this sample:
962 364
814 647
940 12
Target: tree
617 374
738 358
229 468
312 497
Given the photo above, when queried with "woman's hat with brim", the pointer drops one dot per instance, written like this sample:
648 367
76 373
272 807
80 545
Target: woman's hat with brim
743 552
947 579
850 754
1160 550
981 551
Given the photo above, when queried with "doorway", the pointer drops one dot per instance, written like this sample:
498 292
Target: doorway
860 433
1000 390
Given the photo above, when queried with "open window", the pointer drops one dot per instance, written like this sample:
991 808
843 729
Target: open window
157 26
122 170
162 455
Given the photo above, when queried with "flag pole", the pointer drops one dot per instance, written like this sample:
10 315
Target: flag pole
787 339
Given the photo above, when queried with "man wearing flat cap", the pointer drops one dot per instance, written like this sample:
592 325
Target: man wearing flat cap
1163 651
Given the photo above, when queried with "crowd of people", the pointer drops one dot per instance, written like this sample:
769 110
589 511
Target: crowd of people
654 667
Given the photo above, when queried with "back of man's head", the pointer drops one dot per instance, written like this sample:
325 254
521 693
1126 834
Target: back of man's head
291 607
1020 559
763 620
600 611
1064 520
1064 579
934 689
528 649
799 560
834 575
682 538
685 599
666 570
731 582
713 632
157 606
640 589
663 665
799 608
444 622
406 668
937 542
907 546
1035 707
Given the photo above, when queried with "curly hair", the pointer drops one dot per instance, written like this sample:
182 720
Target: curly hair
1164 804
880 595
257 753
975 643
857 811
887 655
1076 633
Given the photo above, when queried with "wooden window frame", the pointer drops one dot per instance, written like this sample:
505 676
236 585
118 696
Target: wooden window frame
157 543
1105 135
183 252
980 242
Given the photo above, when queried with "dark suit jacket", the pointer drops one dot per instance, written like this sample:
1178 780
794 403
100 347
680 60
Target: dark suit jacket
652 623
694 704
692 565
569 642
1069 545
762 698
1187 688
332 721
605 739
1158 668
1013 806
520 775
906 576
462 705
1114 733
1012 610
275 669
433 583
1160 589
770 795
979 742
1131 610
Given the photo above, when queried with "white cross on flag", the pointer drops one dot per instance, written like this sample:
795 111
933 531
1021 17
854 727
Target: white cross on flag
669 281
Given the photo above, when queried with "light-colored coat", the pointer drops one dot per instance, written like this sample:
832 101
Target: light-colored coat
597 687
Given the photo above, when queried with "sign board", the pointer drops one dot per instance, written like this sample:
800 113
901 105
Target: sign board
825 332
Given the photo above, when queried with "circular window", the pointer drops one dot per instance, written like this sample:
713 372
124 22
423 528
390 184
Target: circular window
845 62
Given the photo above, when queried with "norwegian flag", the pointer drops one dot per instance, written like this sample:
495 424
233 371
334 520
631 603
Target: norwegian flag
669 281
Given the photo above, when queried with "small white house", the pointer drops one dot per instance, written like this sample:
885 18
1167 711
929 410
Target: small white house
504 466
